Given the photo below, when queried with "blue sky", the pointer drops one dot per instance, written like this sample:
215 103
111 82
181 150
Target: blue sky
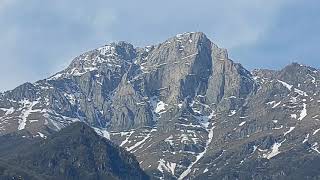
38 38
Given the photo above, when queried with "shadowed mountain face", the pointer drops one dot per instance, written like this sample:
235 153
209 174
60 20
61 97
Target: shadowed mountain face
182 107
75 152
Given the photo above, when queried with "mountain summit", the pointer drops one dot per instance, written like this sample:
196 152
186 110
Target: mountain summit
183 107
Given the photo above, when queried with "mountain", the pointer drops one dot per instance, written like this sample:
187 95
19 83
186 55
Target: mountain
183 108
75 152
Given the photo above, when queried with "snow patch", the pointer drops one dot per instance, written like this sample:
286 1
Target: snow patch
288 86
184 138
274 150
316 131
276 105
289 131
127 138
169 140
205 170
315 147
167 166
141 142
278 127
8 111
160 107
232 112
300 92
199 156
27 110
242 123
102 132
306 138
42 135
293 116
271 102
303 113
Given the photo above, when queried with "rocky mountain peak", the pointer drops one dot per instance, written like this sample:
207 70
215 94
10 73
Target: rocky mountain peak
117 77
182 106
122 54
296 68
189 37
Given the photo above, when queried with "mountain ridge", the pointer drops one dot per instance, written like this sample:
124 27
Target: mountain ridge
75 152
183 107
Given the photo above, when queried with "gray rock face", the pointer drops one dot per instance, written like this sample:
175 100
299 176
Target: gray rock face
182 107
